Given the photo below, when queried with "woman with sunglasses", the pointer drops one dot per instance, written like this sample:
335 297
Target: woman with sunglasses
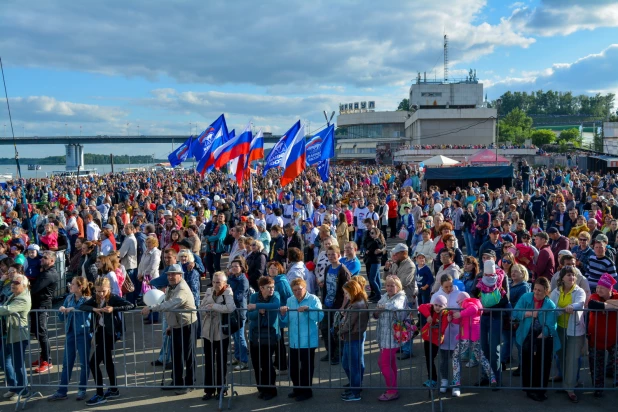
376 247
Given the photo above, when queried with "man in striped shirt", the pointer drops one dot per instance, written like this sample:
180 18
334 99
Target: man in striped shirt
598 264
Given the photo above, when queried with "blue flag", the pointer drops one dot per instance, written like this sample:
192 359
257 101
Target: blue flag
321 146
181 153
323 169
202 143
278 152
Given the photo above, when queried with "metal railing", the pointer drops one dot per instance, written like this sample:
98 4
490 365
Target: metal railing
348 354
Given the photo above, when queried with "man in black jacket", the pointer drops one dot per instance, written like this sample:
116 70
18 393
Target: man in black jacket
291 238
42 292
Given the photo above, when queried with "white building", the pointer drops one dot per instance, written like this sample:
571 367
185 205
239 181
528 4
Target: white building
610 137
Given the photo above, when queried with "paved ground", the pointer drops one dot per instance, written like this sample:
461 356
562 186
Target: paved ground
141 345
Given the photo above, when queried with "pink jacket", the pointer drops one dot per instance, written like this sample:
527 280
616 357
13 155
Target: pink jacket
470 321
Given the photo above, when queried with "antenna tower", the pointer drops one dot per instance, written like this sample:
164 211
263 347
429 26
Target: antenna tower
445 58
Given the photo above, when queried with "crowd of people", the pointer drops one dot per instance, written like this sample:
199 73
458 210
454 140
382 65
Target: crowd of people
463 146
479 274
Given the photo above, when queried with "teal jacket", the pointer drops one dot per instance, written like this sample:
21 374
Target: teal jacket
264 328
282 286
303 326
547 318
217 241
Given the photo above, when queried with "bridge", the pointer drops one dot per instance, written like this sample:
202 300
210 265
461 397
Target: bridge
105 139
75 144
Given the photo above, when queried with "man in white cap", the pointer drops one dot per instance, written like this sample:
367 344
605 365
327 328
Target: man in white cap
178 296
402 266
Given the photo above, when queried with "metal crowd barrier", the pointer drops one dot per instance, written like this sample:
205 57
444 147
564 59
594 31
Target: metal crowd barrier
136 345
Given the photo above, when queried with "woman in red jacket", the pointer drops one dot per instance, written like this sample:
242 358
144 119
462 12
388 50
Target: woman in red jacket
602 331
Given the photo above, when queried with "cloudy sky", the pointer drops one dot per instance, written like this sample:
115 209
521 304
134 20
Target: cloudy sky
107 67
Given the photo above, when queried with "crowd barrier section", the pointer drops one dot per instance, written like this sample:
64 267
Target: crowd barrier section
60 265
314 361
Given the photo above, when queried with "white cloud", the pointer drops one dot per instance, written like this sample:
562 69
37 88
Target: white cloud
313 43
595 73
564 17
45 108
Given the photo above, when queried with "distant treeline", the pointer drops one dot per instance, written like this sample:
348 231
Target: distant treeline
89 159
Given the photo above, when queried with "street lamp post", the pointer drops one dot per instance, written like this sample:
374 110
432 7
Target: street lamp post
498 103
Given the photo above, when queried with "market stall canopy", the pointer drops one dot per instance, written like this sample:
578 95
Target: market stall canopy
487 156
440 160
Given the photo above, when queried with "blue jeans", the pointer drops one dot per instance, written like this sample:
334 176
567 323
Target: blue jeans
507 347
14 366
132 297
526 186
240 346
165 354
353 364
491 332
74 345
358 238
469 240
374 280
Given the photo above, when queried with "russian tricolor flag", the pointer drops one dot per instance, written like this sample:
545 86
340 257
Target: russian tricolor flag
207 162
233 148
256 150
294 160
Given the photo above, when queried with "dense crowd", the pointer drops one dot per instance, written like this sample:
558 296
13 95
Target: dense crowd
476 269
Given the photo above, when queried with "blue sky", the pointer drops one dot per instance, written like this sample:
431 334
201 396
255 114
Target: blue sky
164 65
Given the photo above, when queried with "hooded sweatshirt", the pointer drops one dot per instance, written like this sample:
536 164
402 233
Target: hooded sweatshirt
470 320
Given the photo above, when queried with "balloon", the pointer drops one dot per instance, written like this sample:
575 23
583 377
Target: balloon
421 164
437 207
153 297
217 198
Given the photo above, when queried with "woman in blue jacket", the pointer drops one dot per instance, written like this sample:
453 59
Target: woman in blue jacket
302 315
263 315
78 338
537 337
283 288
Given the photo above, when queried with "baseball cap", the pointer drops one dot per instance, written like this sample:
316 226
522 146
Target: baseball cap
34 247
494 230
400 247
489 252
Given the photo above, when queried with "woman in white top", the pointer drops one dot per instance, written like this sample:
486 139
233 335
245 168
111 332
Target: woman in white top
149 265
569 299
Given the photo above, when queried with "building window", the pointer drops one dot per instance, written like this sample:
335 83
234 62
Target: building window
348 151
431 94
366 150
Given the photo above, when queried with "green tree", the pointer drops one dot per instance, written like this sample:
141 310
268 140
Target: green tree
542 137
404 105
569 135
515 127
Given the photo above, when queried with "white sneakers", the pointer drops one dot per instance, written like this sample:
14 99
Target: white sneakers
443 385
456 392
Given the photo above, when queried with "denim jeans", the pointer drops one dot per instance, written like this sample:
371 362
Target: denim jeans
374 280
14 366
75 344
358 238
491 333
469 240
240 346
165 354
132 297
353 364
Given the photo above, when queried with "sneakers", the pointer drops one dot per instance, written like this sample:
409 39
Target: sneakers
44 367
9 394
24 394
36 363
96 400
443 385
57 396
233 362
111 394
241 366
430 383
350 397
81 395
456 391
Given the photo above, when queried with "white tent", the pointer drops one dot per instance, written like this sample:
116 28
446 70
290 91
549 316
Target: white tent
440 160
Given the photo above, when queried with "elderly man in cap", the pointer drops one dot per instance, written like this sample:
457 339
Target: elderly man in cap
178 297
401 265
